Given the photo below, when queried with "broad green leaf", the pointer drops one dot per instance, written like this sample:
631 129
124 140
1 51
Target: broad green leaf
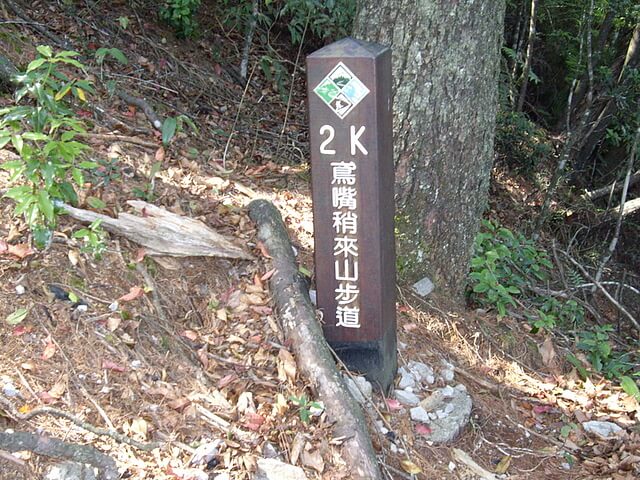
630 387
67 53
35 64
44 50
96 203
16 317
168 129
17 142
118 55
46 207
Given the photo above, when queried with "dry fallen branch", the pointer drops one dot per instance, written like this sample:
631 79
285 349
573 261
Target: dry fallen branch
144 106
11 410
612 189
163 233
52 447
299 322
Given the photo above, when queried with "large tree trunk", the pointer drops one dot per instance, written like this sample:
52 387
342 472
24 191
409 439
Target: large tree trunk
445 62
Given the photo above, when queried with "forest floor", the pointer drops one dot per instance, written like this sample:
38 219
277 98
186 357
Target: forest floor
192 352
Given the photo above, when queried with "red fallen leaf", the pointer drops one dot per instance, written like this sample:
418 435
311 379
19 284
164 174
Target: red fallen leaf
49 351
21 330
139 256
134 292
131 111
190 334
409 327
253 421
109 365
203 357
261 309
538 409
403 309
268 275
20 250
263 250
84 113
393 404
226 380
179 403
255 338
45 397
422 429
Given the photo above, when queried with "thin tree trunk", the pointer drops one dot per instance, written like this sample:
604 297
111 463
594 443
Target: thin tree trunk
445 66
529 57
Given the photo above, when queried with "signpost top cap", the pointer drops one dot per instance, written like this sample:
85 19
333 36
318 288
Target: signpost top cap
350 47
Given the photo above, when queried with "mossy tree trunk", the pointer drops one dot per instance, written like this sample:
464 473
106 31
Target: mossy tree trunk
445 66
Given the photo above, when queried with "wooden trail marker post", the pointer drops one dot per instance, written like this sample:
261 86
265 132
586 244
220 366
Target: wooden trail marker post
350 118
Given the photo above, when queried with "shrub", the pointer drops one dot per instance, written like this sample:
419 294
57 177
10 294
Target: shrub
42 129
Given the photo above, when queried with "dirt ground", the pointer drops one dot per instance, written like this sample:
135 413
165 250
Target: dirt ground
187 351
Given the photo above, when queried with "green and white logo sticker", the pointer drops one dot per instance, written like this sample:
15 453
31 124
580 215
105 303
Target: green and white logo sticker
341 90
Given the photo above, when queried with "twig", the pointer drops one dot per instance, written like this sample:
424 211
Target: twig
614 241
235 121
37 26
78 422
120 138
251 28
603 290
144 106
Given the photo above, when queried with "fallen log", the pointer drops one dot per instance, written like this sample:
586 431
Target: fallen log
162 232
53 447
298 318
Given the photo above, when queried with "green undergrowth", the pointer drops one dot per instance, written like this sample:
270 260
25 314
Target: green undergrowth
513 275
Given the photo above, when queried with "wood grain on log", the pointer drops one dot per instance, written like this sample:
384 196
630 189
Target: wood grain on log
298 318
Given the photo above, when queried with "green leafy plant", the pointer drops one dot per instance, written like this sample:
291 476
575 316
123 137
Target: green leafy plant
179 14
502 265
147 192
596 345
93 238
42 130
172 125
115 53
306 408
520 143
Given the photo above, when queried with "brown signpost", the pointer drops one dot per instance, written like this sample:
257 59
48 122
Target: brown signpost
350 118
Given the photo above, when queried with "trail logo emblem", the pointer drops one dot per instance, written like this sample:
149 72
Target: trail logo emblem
341 90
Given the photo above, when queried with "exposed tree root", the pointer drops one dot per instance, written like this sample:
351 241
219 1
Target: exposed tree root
52 447
298 318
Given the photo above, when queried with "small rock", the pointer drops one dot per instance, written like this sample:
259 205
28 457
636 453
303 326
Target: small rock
419 414
604 430
432 401
430 379
272 469
452 466
419 370
269 451
447 375
423 287
359 387
402 346
461 388
449 408
447 428
20 289
313 296
441 414
406 381
393 447
407 398
447 391
70 471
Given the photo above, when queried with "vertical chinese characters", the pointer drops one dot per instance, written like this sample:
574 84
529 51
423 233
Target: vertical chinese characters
345 243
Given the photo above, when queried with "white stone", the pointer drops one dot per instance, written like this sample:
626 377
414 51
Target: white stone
358 388
273 469
407 398
423 287
20 289
447 375
452 466
432 401
460 387
419 370
393 448
430 379
441 414
406 381
447 391
604 430
449 408
419 414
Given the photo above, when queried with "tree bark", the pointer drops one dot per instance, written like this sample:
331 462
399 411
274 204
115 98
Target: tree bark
529 57
445 62
298 319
